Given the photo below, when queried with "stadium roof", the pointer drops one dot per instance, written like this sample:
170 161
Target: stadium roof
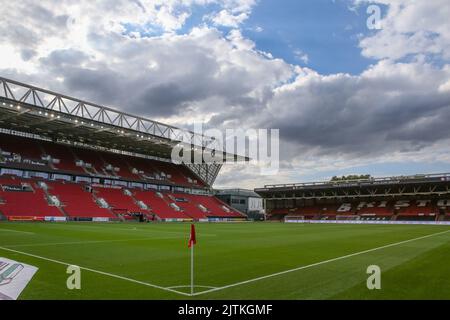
238 192
29 109
39 111
420 184
34 110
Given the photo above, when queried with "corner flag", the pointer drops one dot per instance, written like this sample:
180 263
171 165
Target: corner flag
192 239
192 242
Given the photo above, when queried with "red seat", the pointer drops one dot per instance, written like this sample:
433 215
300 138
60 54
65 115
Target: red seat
381 209
416 210
116 198
160 206
77 202
25 203
216 208
67 161
26 147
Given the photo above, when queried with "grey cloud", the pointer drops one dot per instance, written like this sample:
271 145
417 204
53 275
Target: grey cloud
65 57
349 115
27 54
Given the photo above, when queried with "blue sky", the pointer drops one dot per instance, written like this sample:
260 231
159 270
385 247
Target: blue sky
325 30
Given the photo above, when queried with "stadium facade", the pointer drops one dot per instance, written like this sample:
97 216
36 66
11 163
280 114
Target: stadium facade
63 158
402 198
243 200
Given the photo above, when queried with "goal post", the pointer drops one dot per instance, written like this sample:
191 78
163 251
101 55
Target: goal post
296 218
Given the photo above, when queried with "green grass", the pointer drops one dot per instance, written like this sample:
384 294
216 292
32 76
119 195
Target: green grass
231 253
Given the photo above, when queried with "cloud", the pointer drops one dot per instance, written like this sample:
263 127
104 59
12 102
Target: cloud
410 28
301 56
233 14
390 106
107 52
227 19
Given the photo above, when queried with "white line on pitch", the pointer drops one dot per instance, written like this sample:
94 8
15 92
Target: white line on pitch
188 286
80 242
149 231
316 264
97 271
10 230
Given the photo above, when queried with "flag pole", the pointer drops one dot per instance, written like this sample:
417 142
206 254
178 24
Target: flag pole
191 244
192 269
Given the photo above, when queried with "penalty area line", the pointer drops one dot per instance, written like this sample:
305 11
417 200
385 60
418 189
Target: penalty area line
112 275
316 264
188 286
18 231
44 244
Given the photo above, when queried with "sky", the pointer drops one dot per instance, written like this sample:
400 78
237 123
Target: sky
347 99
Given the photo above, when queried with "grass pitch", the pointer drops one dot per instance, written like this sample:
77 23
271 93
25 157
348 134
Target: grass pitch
232 261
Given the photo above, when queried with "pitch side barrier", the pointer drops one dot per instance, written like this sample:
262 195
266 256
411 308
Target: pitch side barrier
367 222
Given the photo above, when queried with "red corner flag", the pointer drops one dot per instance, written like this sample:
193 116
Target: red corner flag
192 239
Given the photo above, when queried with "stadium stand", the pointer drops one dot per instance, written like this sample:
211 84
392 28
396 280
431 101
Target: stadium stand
160 204
118 166
65 160
188 206
375 209
277 214
77 200
21 200
92 161
418 210
62 157
418 198
81 200
215 206
117 199
25 147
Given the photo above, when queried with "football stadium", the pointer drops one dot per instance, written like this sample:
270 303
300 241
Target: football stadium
88 186
224 158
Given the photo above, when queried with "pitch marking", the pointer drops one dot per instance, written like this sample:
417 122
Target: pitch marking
81 242
11 230
170 289
316 264
150 231
99 272
188 286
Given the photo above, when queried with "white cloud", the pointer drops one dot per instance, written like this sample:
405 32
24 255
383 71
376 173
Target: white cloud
233 14
227 19
410 28
301 56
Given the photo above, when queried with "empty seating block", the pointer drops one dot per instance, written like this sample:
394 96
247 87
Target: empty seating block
216 208
26 203
92 157
27 148
380 209
69 155
76 201
118 161
67 161
120 202
189 206
160 206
